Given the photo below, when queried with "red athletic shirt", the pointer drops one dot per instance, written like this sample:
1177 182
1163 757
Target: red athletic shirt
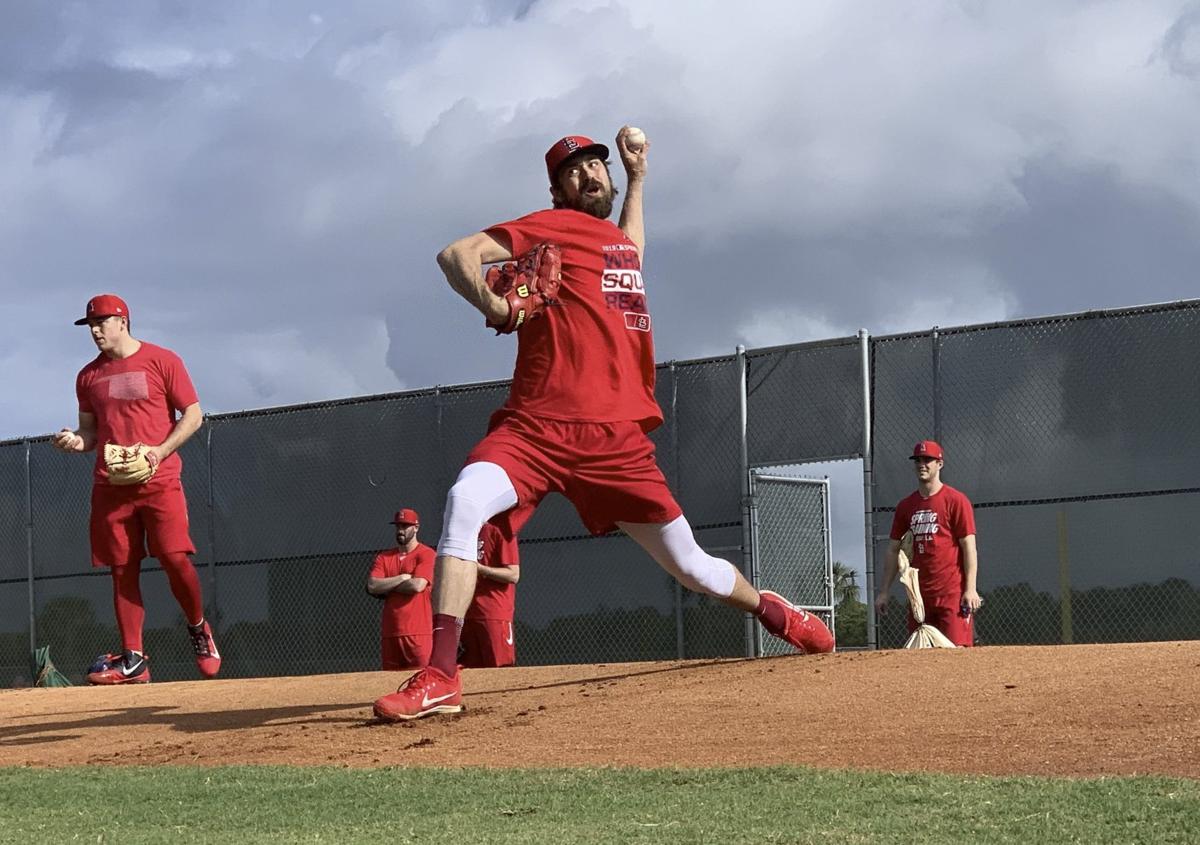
592 358
937 524
134 400
494 600
405 614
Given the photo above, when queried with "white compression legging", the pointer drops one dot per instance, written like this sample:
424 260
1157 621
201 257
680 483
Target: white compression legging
481 491
675 548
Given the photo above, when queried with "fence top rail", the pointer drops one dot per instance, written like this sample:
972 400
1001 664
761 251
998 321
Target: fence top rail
831 343
349 401
817 459
1049 319
801 480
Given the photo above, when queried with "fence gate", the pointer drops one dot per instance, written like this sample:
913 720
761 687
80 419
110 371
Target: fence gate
790 546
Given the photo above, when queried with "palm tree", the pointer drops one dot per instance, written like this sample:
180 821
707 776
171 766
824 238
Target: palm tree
851 618
844 586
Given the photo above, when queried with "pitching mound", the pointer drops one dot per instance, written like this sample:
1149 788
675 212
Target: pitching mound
1063 710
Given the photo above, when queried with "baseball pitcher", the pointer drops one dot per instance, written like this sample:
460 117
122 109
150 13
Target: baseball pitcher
580 407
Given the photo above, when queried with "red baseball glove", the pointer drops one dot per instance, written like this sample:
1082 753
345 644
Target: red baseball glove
529 285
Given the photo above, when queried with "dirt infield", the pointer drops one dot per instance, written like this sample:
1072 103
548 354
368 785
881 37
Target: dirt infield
1063 710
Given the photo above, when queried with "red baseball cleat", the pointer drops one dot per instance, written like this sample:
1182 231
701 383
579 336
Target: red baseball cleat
126 668
803 630
425 693
208 659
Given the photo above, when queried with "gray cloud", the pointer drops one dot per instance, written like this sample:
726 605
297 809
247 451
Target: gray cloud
269 185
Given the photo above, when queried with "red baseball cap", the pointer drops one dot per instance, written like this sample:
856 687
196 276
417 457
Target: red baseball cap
104 305
571 145
927 449
406 516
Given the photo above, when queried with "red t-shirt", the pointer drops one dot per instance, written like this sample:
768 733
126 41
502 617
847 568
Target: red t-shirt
592 358
494 600
406 614
134 400
937 524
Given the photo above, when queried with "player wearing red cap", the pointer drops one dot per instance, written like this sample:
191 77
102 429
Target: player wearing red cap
487 633
942 523
578 412
130 394
401 577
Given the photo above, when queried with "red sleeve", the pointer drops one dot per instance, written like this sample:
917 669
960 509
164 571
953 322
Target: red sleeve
964 517
498 549
490 537
85 404
900 520
424 567
522 234
379 567
508 554
180 391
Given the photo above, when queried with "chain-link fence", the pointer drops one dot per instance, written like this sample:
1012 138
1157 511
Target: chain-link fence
288 506
1073 435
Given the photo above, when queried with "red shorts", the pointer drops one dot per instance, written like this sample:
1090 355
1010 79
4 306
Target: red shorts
945 614
607 470
486 643
125 520
405 652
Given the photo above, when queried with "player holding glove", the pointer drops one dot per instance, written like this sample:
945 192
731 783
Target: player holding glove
128 398
529 286
127 465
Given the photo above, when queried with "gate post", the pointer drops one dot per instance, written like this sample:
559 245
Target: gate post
864 342
29 551
749 561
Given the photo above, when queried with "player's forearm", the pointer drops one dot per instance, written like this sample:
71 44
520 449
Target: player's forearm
891 568
632 222
383 586
461 268
969 573
970 566
504 574
187 425
412 586
377 587
88 436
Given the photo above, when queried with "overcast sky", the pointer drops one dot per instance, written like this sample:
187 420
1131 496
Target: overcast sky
267 183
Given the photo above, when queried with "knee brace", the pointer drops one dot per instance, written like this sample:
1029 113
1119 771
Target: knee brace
481 491
675 548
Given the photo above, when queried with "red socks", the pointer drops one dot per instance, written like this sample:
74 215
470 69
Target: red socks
127 604
185 585
127 596
771 614
445 644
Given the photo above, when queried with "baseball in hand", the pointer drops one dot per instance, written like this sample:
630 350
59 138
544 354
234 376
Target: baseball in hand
68 440
635 139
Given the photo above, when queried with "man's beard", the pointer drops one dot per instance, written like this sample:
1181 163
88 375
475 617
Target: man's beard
599 206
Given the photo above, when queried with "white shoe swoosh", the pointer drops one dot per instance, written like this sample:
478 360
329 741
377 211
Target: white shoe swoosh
509 640
427 701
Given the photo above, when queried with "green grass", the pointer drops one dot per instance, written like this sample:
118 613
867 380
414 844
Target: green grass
427 806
